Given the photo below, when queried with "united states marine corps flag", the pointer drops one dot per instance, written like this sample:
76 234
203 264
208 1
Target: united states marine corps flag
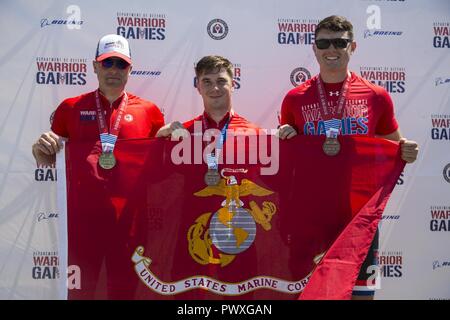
151 228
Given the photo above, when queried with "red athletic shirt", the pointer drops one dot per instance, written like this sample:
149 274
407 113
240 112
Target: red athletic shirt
368 109
237 122
75 118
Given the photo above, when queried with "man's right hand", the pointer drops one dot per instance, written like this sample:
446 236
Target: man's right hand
174 129
45 149
286 132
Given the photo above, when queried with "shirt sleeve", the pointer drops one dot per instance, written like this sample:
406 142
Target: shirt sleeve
59 122
287 117
157 120
387 123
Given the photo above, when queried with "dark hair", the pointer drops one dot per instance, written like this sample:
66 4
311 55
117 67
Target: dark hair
335 23
213 64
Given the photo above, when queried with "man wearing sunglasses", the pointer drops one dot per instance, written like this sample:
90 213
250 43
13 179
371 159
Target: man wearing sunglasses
105 114
338 101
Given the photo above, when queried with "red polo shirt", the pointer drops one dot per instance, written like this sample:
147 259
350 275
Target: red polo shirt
75 118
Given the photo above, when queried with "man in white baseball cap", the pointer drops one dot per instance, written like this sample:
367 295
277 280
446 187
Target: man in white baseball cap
141 118
113 45
101 116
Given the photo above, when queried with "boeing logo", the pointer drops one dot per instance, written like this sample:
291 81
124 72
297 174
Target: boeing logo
372 33
437 264
440 81
45 22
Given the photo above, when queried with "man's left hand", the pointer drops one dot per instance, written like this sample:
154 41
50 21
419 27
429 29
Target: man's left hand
409 150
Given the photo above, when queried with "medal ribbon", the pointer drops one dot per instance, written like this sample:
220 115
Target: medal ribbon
108 139
333 124
213 159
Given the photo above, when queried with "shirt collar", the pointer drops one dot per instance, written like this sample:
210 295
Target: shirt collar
115 104
212 124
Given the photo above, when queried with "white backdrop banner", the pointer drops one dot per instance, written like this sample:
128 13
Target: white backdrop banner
46 56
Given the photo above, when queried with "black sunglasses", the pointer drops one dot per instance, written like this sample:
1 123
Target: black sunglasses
338 43
119 63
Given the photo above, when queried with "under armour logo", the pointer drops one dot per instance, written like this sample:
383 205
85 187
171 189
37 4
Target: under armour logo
334 93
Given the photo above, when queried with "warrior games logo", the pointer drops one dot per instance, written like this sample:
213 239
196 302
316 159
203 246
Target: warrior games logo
440 218
45 173
144 26
45 265
393 79
296 31
217 29
391 264
441 31
237 76
61 71
401 179
440 127
237 71
299 75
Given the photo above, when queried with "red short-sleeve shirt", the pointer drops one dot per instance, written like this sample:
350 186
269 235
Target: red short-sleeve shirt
75 118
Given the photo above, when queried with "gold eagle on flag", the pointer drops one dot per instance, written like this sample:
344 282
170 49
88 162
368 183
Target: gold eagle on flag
200 236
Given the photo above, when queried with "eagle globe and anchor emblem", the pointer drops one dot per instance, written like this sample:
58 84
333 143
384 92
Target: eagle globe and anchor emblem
217 238
232 228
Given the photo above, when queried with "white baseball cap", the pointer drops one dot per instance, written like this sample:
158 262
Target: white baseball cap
113 45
